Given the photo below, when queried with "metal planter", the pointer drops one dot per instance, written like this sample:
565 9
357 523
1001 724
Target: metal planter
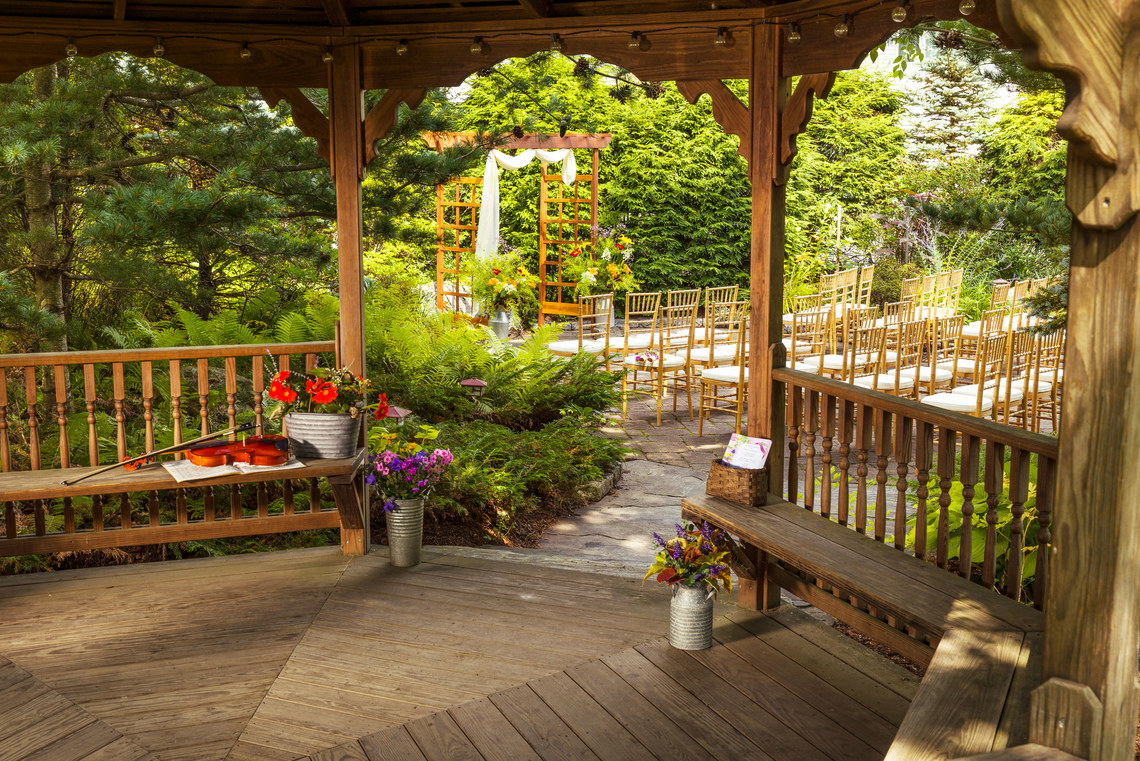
690 617
322 435
405 532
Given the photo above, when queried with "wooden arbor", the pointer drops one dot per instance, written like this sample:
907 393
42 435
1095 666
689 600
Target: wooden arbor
565 219
1088 704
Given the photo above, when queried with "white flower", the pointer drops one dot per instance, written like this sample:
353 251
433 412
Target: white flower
588 277
607 254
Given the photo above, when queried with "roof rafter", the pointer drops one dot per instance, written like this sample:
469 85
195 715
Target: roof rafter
536 8
119 10
339 12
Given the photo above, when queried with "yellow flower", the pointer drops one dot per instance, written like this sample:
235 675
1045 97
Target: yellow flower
593 270
493 281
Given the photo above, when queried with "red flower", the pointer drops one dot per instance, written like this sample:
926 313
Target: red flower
620 247
278 391
323 392
495 271
575 252
381 407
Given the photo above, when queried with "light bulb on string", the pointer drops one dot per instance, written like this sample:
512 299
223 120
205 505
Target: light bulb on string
794 33
402 48
327 56
722 36
966 7
245 53
843 27
899 13
556 44
477 46
71 50
159 49
635 41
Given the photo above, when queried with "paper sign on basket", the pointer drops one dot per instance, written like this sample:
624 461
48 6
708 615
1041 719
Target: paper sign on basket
746 452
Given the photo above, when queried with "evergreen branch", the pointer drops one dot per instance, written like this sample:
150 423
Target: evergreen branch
107 166
158 97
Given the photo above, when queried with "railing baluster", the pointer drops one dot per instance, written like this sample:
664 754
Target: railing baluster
828 443
120 396
231 416
1046 494
1019 463
923 456
147 369
882 450
903 432
31 397
947 445
846 425
971 451
286 487
863 427
995 485
6 454
257 376
811 425
61 391
314 486
89 396
796 407
204 428
176 419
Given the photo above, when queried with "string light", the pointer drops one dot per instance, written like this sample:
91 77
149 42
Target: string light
635 41
843 27
899 13
477 46
402 48
246 53
159 49
794 33
966 7
71 50
327 56
556 44
722 36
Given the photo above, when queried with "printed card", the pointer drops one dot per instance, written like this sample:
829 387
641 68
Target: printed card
747 452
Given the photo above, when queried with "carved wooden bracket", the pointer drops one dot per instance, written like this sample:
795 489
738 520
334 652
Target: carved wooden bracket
795 116
306 116
382 117
732 115
1094 46
736 119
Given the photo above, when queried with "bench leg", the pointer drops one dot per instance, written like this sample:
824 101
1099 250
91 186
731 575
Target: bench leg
759 593
352 504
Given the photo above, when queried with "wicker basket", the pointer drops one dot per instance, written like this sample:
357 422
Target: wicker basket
748 487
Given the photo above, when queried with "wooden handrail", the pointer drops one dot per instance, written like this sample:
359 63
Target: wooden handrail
1028 441
153 355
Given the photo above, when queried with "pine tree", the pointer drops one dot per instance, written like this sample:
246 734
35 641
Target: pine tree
951 104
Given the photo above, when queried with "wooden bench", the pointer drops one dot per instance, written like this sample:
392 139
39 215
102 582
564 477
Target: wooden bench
343 475
982 651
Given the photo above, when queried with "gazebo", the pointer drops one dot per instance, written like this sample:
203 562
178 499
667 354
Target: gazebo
1086 702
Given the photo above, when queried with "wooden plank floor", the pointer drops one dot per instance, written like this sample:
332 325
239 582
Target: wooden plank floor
307 654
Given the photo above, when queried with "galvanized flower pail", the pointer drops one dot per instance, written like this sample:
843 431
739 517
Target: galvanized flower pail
405 532
322 435
690 617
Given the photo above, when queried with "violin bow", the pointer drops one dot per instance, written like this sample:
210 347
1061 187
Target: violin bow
167 450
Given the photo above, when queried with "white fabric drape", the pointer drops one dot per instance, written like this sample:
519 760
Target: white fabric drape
487 240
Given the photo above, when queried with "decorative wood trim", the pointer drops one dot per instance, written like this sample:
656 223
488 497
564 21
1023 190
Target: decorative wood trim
382 117
797 113
440 140
1067 716
732 115
338 12
306 115
119 10
536 8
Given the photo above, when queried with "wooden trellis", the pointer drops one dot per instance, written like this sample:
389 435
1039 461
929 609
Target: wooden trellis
567 217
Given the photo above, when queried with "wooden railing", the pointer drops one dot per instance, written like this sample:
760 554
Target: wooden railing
921 466
59 410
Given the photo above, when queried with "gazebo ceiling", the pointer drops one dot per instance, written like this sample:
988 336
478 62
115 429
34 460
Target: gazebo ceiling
429 43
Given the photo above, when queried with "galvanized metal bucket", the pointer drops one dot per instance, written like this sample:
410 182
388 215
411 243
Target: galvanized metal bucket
690 617
322 435
405 532
500 323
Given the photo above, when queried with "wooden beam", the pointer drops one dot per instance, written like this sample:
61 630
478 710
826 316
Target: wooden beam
441 140
119 10
382 117
729 112
306 115
338 12
346 142
536 8
797 113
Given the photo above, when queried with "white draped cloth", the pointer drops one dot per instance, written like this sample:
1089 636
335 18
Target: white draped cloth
487 240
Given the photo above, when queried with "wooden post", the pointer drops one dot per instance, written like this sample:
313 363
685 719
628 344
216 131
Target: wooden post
346 138
767 95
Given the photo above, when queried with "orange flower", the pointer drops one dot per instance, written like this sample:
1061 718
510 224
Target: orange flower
381 407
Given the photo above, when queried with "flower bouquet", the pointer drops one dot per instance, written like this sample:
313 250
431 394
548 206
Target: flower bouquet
319 390
696 557
601 266
406 470
502 283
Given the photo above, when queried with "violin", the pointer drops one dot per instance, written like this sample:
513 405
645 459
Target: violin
268 449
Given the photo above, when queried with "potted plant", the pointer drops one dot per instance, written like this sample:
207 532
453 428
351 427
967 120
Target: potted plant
321 408
501 285
602 265
405 472
696 564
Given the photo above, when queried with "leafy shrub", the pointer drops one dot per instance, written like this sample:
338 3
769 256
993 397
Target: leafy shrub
889 275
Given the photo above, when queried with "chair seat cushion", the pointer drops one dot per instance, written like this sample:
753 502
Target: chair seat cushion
972 330
636 341
570 346
728 374
808 365
971 390
719 353
957 402
1049 376
941 375
667 361
885 380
